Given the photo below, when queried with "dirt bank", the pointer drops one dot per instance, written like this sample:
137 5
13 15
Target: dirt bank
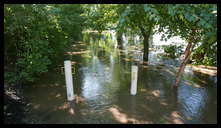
14 106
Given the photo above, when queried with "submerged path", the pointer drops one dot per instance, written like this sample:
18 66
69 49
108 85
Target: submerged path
102 85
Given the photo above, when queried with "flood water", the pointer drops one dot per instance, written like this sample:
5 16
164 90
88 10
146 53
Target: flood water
102 79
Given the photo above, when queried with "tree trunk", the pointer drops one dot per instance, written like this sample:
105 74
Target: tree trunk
183 64
146 47
192 42
146 36
119 40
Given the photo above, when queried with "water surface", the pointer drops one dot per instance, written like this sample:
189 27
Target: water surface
102 78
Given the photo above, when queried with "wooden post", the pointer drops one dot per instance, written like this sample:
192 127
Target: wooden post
133 89
69 81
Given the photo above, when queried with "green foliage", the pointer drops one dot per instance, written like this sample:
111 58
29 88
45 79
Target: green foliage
101 17
195 23
71 20
173 51
192 22
182 20
9 78
170 50
137 18
205 54
36 37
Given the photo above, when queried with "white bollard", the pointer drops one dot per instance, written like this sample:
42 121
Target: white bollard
133 89
69 81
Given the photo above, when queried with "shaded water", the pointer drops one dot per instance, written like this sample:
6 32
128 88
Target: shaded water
102 78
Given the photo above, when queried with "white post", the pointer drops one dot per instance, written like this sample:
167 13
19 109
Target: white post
69 81
133 89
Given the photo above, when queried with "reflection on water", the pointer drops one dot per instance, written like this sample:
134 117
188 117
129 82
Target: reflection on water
193 100
102 88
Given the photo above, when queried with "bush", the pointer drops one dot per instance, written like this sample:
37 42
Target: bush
205 54
173 51
36 37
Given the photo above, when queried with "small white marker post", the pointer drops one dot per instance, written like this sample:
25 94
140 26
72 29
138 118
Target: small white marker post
69 81
133 89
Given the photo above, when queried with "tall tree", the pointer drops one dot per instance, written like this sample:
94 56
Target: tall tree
143 19
193 23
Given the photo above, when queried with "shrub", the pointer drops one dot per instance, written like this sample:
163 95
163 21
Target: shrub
173 51
36 37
